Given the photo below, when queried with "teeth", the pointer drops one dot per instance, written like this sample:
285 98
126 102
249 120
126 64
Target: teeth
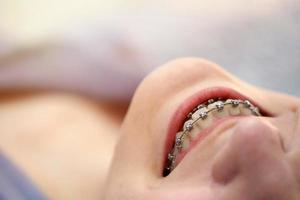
203 116
186 143
219 105
201 113
245 111
212 105
234 107
188 125
235 110
179 139
222 113
200 125
218 109
235 103
204 123
193 134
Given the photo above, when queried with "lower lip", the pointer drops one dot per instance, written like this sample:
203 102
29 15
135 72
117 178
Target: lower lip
218 123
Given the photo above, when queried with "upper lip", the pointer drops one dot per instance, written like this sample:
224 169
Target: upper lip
191 102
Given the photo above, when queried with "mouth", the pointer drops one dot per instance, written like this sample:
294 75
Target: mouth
199 115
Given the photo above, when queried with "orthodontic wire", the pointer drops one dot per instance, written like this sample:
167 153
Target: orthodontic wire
178 140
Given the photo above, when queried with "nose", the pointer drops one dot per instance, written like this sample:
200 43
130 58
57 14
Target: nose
254 158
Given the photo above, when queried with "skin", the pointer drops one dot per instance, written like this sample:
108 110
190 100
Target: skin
250 158
67 153
62 142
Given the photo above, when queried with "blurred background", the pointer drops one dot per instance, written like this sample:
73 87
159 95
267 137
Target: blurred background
105 48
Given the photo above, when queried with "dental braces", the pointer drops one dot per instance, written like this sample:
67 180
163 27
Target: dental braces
188 126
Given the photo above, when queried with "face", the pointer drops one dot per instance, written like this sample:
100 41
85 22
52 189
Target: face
230 154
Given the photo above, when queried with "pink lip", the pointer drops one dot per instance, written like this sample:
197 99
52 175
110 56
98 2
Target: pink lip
180 114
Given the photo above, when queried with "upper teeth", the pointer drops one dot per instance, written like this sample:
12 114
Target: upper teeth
203 116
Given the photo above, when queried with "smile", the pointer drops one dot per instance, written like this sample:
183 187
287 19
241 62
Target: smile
201 120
